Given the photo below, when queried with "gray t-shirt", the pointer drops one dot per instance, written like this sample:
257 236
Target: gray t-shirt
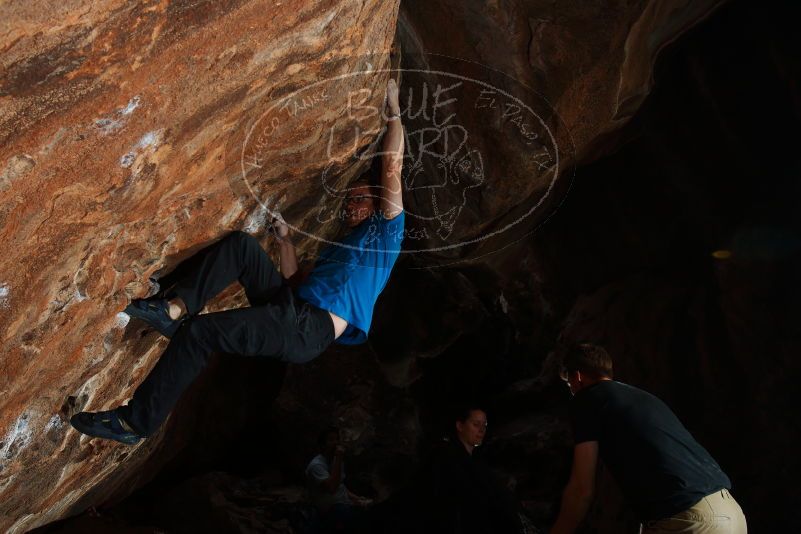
318 471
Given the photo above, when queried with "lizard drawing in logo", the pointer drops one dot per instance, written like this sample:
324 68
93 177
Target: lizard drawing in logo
440 182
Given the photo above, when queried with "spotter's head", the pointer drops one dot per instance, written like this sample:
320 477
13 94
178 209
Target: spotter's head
471 426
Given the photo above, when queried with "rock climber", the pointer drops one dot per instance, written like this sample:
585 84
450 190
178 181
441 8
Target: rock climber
335 301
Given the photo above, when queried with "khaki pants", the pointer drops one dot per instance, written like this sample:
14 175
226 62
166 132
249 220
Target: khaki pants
717 513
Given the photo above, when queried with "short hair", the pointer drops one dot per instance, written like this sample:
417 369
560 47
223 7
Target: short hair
462 413
323 437
459 412
587 358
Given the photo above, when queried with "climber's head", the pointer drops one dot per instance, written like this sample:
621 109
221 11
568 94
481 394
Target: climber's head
361 201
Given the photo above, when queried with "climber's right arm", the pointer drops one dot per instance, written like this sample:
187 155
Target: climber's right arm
289 259
286 249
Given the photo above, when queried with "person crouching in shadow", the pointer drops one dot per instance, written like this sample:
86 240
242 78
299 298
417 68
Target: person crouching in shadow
338 509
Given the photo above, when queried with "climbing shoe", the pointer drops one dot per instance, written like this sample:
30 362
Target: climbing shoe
106 425
156 313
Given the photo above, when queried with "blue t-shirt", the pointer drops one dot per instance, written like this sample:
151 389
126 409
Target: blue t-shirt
349 276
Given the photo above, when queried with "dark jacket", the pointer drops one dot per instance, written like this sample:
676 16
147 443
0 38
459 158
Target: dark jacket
461 495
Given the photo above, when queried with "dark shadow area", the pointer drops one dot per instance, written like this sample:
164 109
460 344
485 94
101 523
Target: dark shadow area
681 250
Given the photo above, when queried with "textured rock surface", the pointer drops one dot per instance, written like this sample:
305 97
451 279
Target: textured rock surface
122 130
121 127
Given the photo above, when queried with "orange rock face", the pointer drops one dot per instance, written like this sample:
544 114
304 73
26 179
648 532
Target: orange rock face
132 134
121 129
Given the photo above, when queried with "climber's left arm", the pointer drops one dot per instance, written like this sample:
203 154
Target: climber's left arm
392 157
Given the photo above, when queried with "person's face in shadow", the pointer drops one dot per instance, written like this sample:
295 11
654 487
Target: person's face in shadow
471 431
359 205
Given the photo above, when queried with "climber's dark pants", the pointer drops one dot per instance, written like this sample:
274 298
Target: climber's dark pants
276 325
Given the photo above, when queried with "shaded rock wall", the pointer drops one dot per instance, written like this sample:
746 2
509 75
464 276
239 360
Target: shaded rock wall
692 282
679 252
578 71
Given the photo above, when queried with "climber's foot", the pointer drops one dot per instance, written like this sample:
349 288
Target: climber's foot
156 313
106 425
